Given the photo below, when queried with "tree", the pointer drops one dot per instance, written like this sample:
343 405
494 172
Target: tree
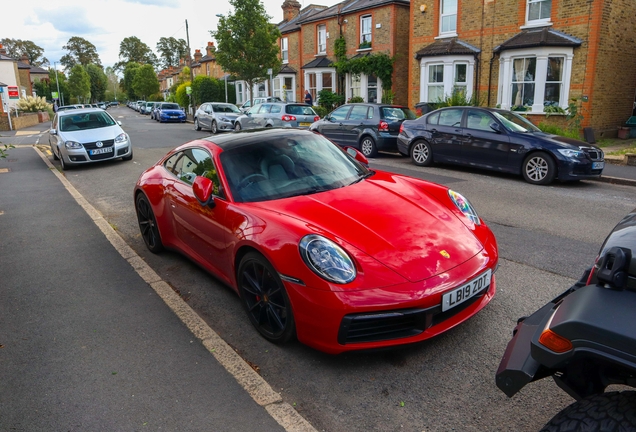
247 42
130 71
80 51
79 82
113 83
99 82
171 50
145 82
207 89
16 48
132 49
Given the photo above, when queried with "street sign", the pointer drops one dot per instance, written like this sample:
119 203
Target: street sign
13 92
54 95
188 90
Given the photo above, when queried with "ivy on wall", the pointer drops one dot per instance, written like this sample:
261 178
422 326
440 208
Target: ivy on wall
380 64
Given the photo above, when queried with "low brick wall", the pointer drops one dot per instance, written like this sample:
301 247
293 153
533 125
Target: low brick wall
24 120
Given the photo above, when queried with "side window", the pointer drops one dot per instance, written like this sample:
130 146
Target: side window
171 162
450 117
433 119
205 168
479 120
340 113
358 112
275 109
264 109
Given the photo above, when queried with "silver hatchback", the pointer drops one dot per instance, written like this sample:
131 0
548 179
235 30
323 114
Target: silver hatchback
216 116
277 114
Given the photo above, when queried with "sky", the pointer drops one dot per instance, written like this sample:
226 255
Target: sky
105 23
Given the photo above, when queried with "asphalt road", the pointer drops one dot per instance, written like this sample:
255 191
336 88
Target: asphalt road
547 236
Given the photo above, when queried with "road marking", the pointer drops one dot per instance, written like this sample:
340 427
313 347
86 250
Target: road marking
252 382
4 170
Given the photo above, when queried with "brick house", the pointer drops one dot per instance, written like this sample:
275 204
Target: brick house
368 27
206 64
532 55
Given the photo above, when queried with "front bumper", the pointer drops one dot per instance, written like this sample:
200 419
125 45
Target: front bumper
83 155
579 169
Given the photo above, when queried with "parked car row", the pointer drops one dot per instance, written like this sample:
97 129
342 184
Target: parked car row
160 111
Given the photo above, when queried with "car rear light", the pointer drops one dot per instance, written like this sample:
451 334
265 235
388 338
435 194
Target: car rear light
383 126
554 342
316 118
401 127
289 118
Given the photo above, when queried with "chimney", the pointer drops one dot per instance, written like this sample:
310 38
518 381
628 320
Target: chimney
210 49
25 59
197 55
3 50
291 9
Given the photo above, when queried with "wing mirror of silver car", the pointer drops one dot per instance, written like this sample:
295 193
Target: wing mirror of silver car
53 132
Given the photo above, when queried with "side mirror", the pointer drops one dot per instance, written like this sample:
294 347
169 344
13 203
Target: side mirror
496 127
53 131
119 122
354 153
203 188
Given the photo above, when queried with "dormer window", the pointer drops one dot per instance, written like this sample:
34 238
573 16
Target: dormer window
448 17
538 11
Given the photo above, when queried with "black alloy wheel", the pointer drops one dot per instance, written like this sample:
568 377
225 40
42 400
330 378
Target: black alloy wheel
539 168
367 147
421 153
265 299
148 224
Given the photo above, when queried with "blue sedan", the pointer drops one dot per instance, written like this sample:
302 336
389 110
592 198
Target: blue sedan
170 112
498 140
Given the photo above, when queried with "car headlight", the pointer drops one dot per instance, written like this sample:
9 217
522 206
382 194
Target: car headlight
73 145
327 259
121 138
464 206
571 153
224 119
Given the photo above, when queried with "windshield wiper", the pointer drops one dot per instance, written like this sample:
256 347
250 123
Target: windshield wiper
359 179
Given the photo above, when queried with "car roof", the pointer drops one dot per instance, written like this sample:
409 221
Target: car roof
80 111
246 137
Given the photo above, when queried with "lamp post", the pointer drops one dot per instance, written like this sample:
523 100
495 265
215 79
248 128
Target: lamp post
225 75
59 95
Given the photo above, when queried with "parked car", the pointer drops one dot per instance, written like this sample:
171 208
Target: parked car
259 100
86 135
102 105
366 126
585 339
216 116
138 104
277 114
113 103
498 140
69 107
317 245
170 112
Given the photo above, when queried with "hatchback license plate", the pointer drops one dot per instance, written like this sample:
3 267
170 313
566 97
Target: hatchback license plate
468 290
598 165
101 151
304 124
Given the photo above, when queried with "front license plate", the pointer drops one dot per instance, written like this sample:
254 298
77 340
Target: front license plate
468 290
304 124
101 151
598 165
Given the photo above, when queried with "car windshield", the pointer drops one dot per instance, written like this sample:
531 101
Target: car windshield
229 108
299 110
83 121
514 122
292 166
397 113
170 106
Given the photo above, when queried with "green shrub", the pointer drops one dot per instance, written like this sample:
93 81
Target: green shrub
329 100
355 99
33 104
321 111
556 130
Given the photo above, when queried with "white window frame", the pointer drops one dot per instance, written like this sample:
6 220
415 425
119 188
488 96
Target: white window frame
449 63
241 97
288 94
361 87
322 39
444 13
319 86
542 54
539 21
284 50
368 21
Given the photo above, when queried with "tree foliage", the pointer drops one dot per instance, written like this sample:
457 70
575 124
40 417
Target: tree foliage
79 83
130 71
17 47
247 42
47 87
79 51
132 49
180 95
113 88
171 50
145 82
99 82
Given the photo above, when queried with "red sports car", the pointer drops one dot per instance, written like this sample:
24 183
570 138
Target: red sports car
317 245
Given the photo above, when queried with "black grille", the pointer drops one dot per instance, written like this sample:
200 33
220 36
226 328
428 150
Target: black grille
105 143
396 324
593 153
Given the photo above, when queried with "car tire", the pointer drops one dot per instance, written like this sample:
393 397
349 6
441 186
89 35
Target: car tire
129 157
63 164
148 224
213 127
55 157
367 147
237 126
539 168
264 298
607 411
421 153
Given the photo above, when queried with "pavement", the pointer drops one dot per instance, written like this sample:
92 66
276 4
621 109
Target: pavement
92 339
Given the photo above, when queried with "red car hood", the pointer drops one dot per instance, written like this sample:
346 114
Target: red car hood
390 219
